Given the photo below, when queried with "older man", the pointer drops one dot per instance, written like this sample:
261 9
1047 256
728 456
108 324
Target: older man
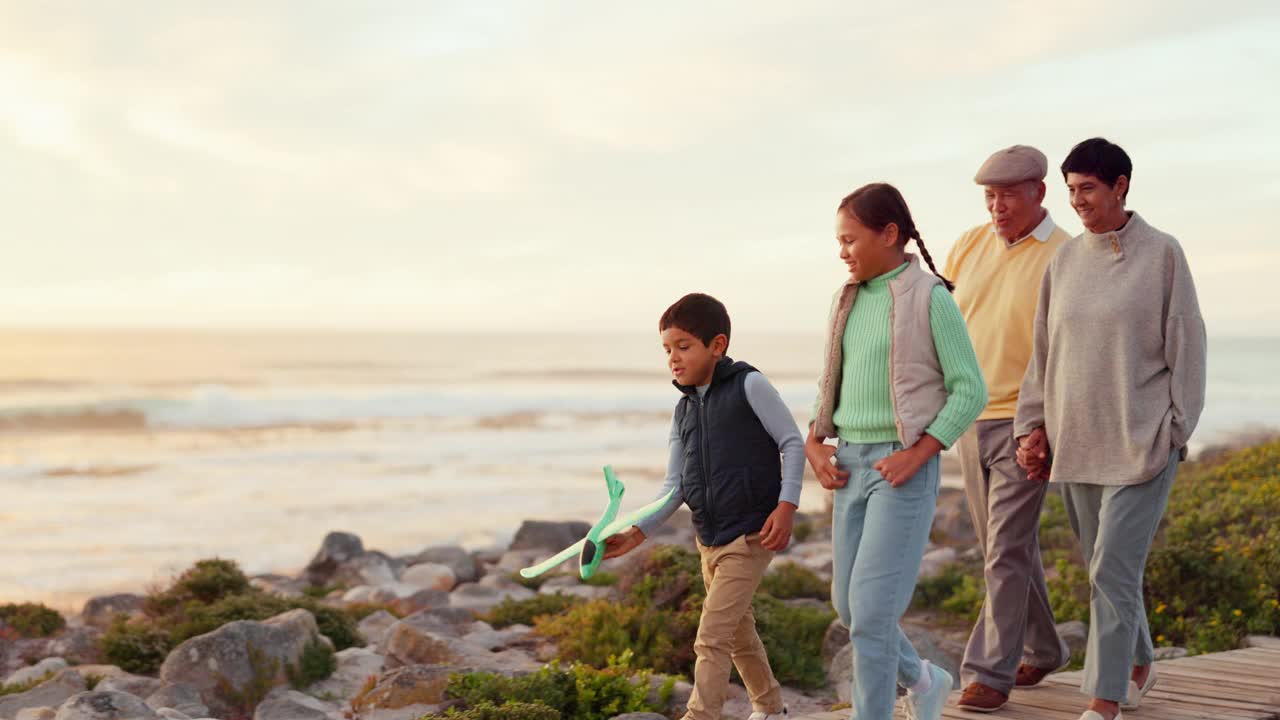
997 268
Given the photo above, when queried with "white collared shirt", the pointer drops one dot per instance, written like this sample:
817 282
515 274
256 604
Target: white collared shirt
1041 232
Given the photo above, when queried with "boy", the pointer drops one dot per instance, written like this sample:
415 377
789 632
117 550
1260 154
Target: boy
726 435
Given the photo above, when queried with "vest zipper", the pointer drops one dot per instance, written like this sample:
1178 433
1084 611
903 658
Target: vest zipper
706 462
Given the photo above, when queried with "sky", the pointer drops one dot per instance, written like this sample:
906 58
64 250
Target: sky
562 166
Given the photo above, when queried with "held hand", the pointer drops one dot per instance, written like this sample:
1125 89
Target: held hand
776 533
1033 454
820 456
903 465
622 543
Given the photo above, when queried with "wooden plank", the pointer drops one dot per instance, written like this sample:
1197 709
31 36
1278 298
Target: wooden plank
1237 665
1199 686
1217 677
1265 641
1203 699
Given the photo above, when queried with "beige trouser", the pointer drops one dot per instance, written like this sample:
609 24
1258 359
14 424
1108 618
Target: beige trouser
1016 624
727 630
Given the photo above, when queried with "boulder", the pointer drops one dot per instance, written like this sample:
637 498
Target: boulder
355 665
1075 634
101 611
465 567
554 536
104 705
35 672
225 664
430 576
286 704
336 549
50 693
178 696
403 687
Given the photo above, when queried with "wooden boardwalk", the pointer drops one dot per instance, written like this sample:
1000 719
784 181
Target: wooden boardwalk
1235 685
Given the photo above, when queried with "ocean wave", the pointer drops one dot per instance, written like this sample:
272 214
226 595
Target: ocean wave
225 408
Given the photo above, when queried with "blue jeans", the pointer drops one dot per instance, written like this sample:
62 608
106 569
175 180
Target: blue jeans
878 538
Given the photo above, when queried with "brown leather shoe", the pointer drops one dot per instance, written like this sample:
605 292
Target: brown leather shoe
981 698
1030 676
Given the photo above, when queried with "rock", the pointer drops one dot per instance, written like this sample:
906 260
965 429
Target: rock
285 704
951 519
1075 634
418 601
451 621
101 611
104 705
809 603
368 595
238 655
336 549
178 696
36 713
171 714
680 693
586 592
124 682
821 563
1262 641
420 640
481 598
936 648
50 693
936 561
78 645
280 585
840 673
512 561
1170 653
35 672
404 687
836 637
465 567
355 665
373 627
554 536
482 634
371 568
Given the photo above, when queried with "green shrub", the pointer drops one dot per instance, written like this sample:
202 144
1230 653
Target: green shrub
31 619
579 692
136 647
506 711
802 530
206 582
317 663
790 580
524 612
207 596
592 632
932 592
601 578
1214 573
792 636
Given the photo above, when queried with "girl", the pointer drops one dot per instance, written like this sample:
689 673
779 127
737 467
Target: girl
901 382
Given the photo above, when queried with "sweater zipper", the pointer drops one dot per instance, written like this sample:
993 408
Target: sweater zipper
706 463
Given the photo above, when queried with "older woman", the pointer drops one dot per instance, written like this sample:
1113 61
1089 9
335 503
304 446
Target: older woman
1111 395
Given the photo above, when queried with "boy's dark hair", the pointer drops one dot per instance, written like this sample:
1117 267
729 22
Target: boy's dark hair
878 204
1100 158
700 315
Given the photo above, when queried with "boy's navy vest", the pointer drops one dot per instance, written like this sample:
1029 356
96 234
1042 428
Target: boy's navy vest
732 470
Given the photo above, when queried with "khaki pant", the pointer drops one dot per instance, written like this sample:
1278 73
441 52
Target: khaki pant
727 630
1016 624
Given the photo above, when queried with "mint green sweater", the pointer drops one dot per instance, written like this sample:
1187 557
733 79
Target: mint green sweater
864 413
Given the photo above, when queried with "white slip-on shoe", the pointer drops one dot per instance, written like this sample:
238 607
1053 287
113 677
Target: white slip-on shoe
1133 698
784 715
1095 715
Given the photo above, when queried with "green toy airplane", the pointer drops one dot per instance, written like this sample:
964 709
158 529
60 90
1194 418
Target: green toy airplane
592 547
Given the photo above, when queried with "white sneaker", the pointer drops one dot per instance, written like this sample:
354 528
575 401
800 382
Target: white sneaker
769 716
1133 698
928 704
1095 715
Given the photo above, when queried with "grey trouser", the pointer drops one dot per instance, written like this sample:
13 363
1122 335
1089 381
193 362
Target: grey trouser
1115 525
1016 623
